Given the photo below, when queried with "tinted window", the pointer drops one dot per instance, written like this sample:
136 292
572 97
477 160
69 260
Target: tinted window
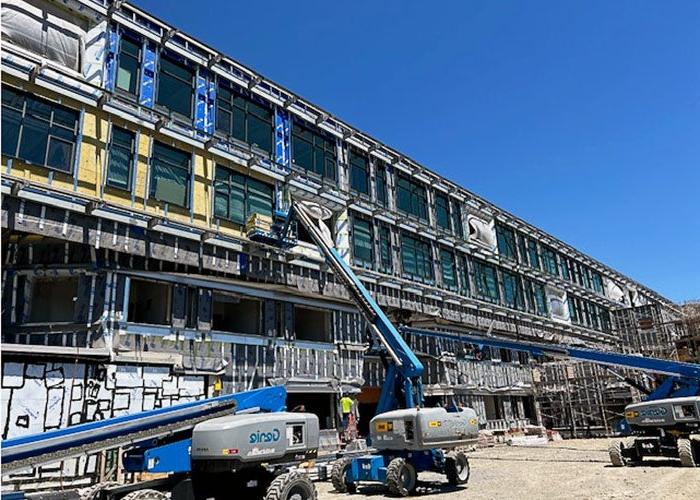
175 87
38 131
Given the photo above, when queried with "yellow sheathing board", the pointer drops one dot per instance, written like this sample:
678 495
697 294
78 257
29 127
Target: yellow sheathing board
91 154
141 173
203 179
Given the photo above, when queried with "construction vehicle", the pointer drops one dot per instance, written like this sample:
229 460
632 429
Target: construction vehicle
665 424
202 448
408 438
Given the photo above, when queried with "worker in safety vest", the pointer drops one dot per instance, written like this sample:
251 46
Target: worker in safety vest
346 407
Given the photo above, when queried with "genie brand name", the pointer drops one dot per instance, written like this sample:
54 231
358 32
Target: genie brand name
658 411
264 437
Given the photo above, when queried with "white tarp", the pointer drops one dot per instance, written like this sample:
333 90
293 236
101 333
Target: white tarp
558 304
45 30
614 291
94 54
481 231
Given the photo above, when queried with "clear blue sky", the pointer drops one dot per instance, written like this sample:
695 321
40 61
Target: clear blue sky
581 117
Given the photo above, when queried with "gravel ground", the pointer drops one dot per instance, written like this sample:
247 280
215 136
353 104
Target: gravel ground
568 469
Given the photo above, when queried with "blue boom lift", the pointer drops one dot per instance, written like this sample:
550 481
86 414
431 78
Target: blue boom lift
175 441
408 437
666 423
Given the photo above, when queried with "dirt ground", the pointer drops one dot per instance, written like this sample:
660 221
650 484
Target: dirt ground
569 469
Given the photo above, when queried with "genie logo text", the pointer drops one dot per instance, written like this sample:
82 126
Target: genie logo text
264 437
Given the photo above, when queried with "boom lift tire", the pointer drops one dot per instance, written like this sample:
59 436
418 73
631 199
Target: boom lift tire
401 477
338 475
685 453
94 492
291 486
457 468
615 452
145 495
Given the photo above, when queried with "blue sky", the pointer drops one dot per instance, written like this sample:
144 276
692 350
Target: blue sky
581 117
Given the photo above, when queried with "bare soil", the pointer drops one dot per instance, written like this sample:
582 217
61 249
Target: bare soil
564 470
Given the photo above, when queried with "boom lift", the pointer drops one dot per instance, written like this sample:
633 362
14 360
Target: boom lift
408 437
666 423
204 449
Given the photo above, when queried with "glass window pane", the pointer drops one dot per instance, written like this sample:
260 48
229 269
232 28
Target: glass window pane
120 158
362 241
60 154
121 137
11 120
12 99
119 167
237 204
127 74
408 257
65 117
330 170
175 87
238 130
169 184
223 120
319 156
260 133
381 185
221 204
129 47
442 211
447 264
303 153
169 180
38 109
259 198
175 95
176 69
223 94
35 136
171 155
385 248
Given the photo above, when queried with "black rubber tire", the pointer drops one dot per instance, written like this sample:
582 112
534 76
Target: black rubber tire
457 468
401 477
291 486
685 453
145 495
93 492
338 473
615 452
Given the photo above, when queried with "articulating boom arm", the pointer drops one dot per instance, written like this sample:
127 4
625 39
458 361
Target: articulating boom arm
683 378
403 375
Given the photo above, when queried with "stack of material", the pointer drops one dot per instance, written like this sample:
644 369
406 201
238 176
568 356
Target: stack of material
486 439
554 435
328 442
258 223
531 435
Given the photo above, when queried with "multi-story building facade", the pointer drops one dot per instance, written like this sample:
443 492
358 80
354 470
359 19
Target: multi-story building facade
132 158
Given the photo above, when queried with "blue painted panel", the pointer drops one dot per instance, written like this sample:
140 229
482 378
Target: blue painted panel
148 74
367 468
200 106
111 59
282 138
210 122
173 457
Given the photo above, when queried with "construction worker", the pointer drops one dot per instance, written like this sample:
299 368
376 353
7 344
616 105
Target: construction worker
346 406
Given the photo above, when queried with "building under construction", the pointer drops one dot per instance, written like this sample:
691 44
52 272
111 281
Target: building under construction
135 160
